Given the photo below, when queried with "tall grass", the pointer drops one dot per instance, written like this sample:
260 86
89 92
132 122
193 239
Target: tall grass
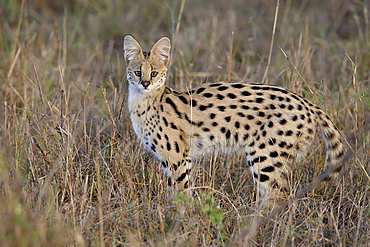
71 171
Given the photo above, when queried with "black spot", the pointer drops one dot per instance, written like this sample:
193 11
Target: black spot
263 177
237 125
236 137
324 124
250 163
189 92
214 124
247 127
227 119
278 164
245 107
205 129
279 90
335 145
310 131
159 136
211 137
284 154
268 169
272 96
223 129
256 88
193 103
282 121
240 114
208 95
200 90
202 107
251 144
290 107
289 133
259 123
340 154
282 106
215 84
261 114
272 141
294 118
212 115
259 94
287 99
164 164
274 154
295 97
219 96
252 153
228 134
183 99
221 108
231 95
281 98
232 106
245 136
299 126
282 144
170 102
280 132
222 88
259 159
177 148
255 108
329 135
246 93
272 107
168 146
169 182
262 146
278 114
302 117
165 121
182 177
173 126
250 117
259 100
166 137
153 148
237 85
270 124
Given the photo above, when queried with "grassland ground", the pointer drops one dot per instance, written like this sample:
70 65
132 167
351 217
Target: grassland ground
72 172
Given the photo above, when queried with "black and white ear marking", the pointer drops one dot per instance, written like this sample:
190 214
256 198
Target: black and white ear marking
131 48
161 50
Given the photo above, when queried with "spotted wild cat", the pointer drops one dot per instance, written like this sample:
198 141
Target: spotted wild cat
268 124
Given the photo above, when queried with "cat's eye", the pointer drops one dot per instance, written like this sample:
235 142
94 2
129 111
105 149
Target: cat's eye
154 74
138 73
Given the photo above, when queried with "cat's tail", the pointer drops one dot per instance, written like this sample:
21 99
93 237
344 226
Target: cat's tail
334 146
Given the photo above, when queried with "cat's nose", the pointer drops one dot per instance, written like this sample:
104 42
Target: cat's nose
145 84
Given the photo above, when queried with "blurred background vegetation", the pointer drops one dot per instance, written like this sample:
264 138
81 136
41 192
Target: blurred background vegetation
71 171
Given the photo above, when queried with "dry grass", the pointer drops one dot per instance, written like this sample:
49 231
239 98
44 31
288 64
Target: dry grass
71 171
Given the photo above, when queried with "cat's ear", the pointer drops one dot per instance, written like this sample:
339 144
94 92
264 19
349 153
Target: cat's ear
131 48
161 50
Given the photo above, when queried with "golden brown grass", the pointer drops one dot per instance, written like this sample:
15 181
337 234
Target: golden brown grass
71 171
